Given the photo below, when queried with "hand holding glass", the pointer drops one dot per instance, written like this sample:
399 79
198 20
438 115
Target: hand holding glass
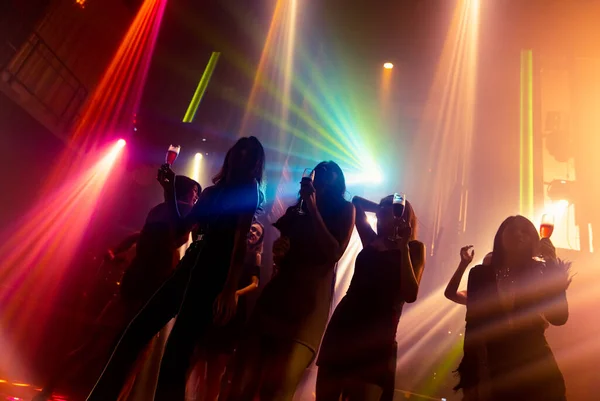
547 226
398 206
307 177
172 154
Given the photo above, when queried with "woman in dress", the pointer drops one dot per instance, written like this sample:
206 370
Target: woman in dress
509 306
217 348
289 319
357 360
205 283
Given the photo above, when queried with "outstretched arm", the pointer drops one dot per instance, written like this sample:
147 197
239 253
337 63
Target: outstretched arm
366 233
181 225
452 293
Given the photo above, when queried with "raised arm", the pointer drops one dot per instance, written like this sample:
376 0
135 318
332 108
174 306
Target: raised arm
366 233
181 225
411 269
452 293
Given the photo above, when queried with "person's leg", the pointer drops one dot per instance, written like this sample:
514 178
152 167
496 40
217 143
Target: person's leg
329 385
246 369
196 383
150 320
286 363
191 324
215 370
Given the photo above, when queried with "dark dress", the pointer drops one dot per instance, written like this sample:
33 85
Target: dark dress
295 305
156 254
360 340
189 293
224 339
519 362
288 321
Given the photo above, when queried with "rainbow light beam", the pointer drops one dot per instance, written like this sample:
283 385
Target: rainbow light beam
201 89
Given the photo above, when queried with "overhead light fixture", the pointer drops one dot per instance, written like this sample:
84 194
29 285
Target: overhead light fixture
561 190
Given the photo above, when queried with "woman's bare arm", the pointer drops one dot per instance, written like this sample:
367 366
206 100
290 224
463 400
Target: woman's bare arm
366 233
411 270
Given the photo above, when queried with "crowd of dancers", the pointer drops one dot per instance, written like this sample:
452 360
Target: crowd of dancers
196 303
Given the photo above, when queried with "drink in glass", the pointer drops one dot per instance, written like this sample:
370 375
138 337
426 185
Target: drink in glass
398 205
172 154
307 177
547 226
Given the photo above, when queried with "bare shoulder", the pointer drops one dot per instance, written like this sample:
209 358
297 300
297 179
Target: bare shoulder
416 247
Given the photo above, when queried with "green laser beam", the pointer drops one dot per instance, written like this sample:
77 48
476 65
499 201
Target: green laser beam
526 135
201 89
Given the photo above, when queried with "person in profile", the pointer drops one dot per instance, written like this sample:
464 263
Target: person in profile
357 359
156 255
509 306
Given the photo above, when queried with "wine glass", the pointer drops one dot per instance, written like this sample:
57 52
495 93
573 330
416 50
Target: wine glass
307 176
547 225
172 154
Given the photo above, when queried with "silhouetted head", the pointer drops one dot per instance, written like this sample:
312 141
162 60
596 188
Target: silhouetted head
385 218
186 189
243 162
329 181
517 240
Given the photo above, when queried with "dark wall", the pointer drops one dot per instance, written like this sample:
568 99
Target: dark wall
30 151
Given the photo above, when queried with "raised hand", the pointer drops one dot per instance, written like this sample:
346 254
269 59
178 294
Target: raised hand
466 254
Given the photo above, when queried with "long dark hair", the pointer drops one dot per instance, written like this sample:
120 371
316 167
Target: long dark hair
255 161
337 187
499 253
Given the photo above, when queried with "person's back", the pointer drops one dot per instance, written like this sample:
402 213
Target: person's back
156 253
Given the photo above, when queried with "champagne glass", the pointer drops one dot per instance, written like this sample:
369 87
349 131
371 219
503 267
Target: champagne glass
172 154
398 206
547 225
307 176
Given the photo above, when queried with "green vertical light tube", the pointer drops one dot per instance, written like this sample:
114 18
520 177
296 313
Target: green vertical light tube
526 136
202 85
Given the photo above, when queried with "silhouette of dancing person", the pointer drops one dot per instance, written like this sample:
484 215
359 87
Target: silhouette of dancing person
357 359
204 284
509 306
288 321
156 255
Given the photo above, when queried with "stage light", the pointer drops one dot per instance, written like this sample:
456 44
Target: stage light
388 66
196 166
121 143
